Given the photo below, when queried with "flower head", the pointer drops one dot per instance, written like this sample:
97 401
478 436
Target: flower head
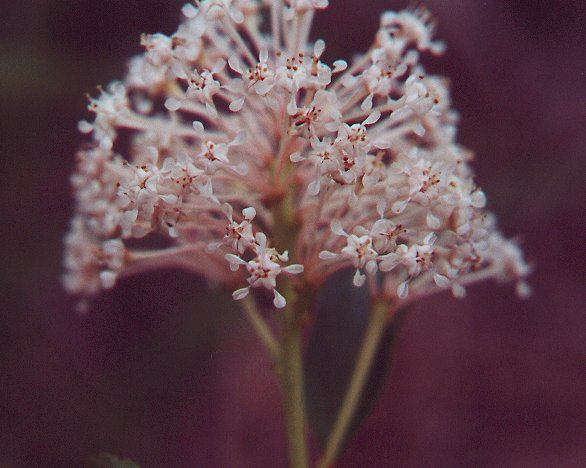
236 112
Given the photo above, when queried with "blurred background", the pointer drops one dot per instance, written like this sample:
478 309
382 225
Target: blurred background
167 373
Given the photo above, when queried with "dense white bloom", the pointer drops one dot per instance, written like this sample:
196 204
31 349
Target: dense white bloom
263 269
236 112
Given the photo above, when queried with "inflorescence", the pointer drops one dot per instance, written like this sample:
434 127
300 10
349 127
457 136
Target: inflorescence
219 123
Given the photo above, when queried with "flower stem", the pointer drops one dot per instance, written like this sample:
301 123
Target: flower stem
290 367
260 326
379 318
291 373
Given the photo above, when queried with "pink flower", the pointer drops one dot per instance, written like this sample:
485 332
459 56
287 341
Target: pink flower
365 152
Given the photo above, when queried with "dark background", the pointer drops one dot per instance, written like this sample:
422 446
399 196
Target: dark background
167 373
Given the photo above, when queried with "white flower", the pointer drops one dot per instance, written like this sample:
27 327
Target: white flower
358 249
418 257
263 269
258 78
240 235
233 140
202 86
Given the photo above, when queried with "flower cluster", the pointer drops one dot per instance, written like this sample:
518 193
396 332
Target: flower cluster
219 127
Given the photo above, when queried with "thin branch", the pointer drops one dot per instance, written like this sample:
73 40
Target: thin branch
260 326
378 320
291 372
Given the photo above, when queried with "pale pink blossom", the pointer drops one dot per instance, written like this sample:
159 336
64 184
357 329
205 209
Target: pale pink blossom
237 111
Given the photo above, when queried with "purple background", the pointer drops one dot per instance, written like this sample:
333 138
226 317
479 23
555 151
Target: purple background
167 373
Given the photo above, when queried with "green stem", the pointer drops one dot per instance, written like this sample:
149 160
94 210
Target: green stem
260 326
291 372
379 318
285 230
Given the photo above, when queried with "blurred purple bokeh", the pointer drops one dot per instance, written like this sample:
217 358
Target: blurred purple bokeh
166 372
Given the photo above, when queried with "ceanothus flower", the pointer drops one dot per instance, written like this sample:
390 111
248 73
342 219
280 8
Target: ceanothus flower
267 157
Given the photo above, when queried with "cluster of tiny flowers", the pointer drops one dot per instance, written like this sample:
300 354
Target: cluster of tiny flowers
236 110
